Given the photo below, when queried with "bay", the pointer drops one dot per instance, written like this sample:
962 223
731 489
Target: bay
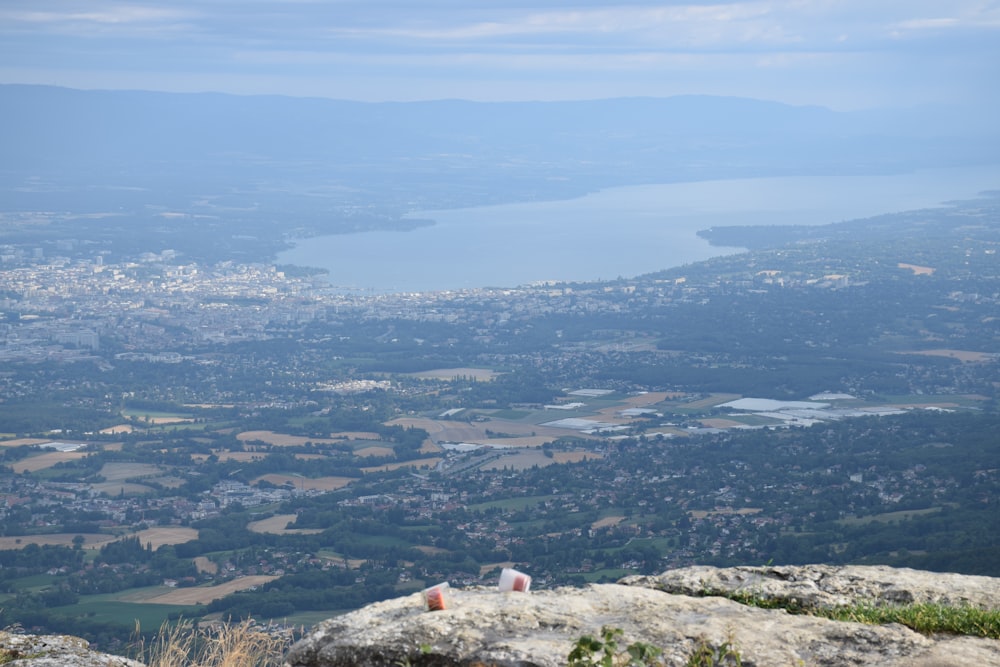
617 232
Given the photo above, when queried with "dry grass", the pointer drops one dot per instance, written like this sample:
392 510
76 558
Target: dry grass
156 536
161 535
92 540
199 594
19 442
965 356
205 565
46 460
430 447
388 467
221 645
607 521
278 525
917 269
329 483
120 428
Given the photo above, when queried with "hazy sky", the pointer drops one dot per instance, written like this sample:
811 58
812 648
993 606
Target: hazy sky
844 54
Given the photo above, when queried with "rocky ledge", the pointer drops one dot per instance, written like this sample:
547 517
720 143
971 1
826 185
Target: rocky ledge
681 611
23 650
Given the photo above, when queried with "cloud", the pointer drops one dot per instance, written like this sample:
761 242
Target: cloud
702 44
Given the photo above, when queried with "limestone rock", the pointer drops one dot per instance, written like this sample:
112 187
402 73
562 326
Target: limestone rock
17 650
486 627
812 586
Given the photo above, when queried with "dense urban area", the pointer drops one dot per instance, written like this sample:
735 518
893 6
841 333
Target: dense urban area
241 439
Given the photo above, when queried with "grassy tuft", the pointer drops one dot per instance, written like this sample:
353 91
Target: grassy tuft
225 645
925 618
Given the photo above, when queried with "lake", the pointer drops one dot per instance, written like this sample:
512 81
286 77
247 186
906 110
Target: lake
618 232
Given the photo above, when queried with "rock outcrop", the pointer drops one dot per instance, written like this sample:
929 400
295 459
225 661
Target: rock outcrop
674 611
812 586
19 650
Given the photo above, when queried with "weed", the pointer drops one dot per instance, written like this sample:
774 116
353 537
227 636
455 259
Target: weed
590 651
708 655
227 645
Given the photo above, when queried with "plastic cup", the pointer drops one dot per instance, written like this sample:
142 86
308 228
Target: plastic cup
436 597
512 580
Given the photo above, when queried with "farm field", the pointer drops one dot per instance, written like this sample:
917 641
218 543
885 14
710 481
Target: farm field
276 525
91 540
515 433
300 482
887 517
157 537
416 463
575 457
195 595
20 442
369 452
44 461
160 535
147 617
287 440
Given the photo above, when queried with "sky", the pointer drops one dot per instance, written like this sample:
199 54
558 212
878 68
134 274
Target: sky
841 54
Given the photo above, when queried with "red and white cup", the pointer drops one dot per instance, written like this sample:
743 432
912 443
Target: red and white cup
512 580
436 597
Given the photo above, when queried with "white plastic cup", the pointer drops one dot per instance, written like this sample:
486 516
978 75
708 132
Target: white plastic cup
436 597
512 580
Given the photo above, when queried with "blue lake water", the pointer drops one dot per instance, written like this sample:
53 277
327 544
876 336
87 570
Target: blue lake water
624 231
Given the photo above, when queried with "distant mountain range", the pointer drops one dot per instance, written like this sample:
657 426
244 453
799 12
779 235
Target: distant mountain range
264 165
677 138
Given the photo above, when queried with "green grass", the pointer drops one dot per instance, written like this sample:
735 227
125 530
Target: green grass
961 400
510 415
127 613
751 419
383 540
35 582
609 575
886 517
153 414
925 618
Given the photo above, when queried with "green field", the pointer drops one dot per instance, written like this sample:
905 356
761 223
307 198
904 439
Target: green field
886 517
149 617
510 414
607 575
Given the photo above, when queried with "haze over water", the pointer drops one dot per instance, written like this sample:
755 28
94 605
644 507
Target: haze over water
618 232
